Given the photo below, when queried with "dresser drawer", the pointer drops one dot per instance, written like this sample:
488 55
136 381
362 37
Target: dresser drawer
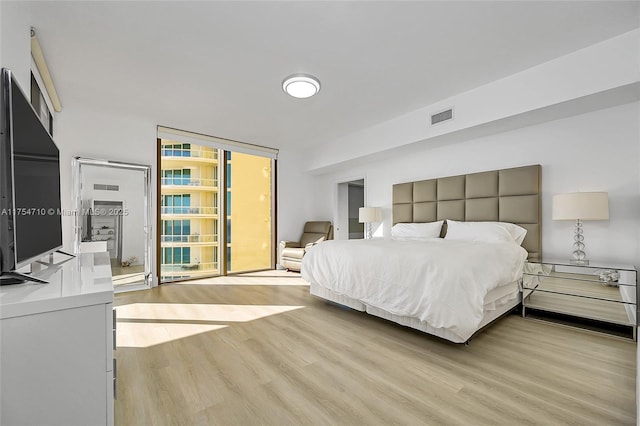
601 292
580 285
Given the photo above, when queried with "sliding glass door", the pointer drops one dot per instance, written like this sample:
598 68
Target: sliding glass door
249 199
216 211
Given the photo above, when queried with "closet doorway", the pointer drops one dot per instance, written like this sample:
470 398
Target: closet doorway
350 199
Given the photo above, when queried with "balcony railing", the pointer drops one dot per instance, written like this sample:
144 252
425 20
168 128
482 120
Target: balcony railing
210 266
196 153
186 181
188 210
195 238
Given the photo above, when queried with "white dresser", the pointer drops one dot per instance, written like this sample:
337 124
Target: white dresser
56 346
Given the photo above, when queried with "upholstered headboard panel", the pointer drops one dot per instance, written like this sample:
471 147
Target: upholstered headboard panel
508 195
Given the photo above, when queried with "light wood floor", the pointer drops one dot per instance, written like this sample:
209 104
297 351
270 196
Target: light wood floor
235 351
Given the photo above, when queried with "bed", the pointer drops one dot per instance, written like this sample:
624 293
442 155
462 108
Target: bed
442 286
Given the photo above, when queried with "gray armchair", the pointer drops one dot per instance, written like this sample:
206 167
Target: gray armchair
291 252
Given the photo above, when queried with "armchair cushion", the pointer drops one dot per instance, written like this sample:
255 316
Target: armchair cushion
292 252
285 244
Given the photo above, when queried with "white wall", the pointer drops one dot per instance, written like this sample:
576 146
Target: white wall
295 201
564 85
596 151
15 40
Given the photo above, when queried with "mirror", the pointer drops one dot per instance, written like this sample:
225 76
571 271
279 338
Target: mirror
113 214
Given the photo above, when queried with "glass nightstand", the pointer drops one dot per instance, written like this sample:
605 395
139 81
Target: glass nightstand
600 291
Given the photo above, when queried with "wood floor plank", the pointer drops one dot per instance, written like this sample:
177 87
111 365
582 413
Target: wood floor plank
258 349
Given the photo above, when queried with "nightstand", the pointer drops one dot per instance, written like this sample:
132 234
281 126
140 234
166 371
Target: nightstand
600 291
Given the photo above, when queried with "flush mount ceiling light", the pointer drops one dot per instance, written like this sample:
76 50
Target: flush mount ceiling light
301 85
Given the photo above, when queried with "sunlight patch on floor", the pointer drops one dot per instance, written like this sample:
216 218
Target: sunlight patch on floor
144 335
149 324
198 312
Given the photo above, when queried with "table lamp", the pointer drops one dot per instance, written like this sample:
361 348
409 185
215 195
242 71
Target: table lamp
368 215
580 206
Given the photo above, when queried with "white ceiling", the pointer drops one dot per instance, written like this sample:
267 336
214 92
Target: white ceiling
217 67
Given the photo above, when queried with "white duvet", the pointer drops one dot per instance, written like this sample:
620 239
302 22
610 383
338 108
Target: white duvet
441 282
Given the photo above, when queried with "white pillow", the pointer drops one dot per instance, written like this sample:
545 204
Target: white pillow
489 232
403 231
517 232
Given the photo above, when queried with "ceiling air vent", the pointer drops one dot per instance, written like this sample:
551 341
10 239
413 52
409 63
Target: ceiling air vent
102 187
442 116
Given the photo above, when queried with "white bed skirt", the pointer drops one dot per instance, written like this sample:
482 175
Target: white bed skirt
497 303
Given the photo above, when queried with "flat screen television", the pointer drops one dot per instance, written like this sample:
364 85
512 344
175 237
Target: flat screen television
30 209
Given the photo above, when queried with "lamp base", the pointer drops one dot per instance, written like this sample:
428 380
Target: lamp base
579 256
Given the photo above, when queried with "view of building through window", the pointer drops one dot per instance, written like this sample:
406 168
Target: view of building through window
191 215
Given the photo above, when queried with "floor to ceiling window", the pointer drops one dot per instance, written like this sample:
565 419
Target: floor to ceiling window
249 197
216 206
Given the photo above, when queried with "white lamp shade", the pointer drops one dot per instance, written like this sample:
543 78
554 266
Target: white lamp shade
581 205
369 214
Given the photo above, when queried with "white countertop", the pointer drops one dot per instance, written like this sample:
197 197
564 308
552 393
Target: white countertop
82 281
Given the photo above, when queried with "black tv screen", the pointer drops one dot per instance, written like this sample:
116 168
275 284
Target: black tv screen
35 179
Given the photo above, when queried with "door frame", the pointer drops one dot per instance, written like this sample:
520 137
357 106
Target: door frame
341 205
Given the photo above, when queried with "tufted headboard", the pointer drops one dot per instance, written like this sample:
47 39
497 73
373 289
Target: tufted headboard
507 195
